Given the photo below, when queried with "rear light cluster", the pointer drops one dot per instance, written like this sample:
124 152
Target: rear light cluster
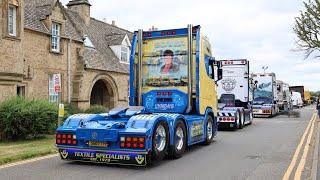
66 139
228 62
167 33
266 111
147 34
231 119
164 93
132 142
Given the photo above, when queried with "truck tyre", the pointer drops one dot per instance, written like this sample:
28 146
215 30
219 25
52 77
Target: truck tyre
180 141
238 121
241 120
209 131
250 118
160 141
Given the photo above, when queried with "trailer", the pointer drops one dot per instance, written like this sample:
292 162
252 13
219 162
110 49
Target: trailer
299 89
234 94
172 104
284 100
265 95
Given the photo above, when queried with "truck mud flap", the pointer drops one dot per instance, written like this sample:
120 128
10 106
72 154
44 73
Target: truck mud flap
122 158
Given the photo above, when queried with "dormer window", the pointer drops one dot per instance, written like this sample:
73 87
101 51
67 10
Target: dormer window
87 42
124 54
55 37
12 20
121 46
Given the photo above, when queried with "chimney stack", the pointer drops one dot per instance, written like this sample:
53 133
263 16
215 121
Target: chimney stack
82 7
113 23
153 28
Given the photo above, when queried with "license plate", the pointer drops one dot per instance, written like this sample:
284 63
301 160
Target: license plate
99 144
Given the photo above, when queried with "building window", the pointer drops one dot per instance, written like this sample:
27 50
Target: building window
53 96
12 20
124 54
21 91
55 38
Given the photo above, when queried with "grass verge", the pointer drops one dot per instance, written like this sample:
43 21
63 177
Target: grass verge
13 151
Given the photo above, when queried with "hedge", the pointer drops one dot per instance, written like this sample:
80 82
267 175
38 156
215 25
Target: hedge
21 117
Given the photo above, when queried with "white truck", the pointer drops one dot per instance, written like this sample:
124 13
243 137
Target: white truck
265 95
283 96
234 94
297 99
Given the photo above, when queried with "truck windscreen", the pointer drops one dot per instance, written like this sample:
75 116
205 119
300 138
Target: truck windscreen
165 62
264 88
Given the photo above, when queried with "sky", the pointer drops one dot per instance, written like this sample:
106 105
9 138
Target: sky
259 30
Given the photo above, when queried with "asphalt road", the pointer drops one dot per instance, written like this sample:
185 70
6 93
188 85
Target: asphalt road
262 150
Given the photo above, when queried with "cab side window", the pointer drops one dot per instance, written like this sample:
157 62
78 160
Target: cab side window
209 66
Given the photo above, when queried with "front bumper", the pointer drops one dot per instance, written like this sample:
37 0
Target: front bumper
105 157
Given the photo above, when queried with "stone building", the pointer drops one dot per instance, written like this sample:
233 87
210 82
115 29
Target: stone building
41 40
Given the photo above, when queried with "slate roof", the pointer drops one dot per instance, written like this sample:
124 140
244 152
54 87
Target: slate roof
101 34
37 10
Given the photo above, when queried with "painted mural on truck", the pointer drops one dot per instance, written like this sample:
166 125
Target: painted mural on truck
264 89
165 62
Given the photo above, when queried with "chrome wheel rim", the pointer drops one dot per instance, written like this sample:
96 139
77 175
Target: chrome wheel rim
160 138
179 138
209 130
242 118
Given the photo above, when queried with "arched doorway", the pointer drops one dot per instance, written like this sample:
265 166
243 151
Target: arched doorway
102 94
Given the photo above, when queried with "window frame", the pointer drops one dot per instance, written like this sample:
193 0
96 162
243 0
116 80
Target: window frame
12 20
124 53
55 45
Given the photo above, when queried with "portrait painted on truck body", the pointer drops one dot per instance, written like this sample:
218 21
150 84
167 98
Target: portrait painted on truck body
168 65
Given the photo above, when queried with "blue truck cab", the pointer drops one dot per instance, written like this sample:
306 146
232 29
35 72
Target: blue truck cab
172 104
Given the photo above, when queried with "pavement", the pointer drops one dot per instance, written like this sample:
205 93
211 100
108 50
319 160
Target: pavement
263 150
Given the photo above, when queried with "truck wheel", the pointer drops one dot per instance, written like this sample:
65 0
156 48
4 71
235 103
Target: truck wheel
250 118
160 139
241 120
180 141
209 130
238 121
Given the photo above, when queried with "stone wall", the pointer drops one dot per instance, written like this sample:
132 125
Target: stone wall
28 61
43 62
11 54
117 82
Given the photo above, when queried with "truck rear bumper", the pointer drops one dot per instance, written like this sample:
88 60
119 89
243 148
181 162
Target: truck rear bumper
105 157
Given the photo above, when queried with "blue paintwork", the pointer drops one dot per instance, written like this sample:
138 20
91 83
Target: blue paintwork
166 33
132 56
138 121
155 102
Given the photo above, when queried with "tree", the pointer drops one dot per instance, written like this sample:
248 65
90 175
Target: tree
307 28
